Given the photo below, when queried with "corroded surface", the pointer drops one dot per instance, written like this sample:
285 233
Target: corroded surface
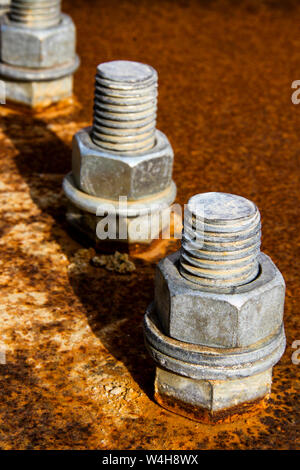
77 373
229 415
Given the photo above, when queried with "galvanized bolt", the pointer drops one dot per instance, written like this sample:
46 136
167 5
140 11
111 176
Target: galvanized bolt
125 107
36 13
225 252
38 55
121 155
215 329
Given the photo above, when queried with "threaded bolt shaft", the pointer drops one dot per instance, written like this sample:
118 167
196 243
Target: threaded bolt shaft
125 107
224 251
4 6
36 13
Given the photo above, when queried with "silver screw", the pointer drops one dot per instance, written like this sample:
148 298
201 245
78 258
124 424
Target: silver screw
224 251
125 106
36 13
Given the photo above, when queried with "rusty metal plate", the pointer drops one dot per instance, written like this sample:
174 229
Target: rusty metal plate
77 375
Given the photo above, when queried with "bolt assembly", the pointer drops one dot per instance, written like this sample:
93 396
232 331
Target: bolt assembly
121 155
38 56
215 328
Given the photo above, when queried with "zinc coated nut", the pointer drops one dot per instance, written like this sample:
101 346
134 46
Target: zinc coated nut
101 173
38 48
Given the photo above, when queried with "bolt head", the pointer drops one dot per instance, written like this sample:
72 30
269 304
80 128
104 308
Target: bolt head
39 94
38 48
241 319
192 398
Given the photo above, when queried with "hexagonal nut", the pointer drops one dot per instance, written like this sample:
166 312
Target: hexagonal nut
251 314
109 175
37 48
189 397
39 94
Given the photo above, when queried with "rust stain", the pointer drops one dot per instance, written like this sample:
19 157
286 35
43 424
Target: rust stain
229 415
77 375
155 251
63 108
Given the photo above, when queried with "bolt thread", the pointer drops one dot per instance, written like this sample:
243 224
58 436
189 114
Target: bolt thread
221 241
4 6
36 13
125 107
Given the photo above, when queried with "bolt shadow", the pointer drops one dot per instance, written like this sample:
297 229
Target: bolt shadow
113 303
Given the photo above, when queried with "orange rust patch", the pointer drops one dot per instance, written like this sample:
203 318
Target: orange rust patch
155 251
62 108
77 373
159 248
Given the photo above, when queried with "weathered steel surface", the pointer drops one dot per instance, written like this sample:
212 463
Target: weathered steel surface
77 373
